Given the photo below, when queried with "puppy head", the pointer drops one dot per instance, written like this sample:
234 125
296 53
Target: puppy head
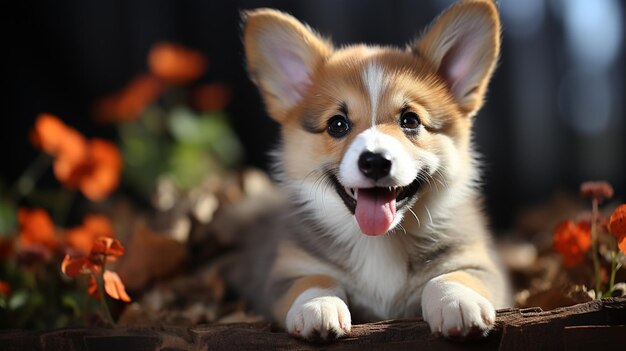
364 128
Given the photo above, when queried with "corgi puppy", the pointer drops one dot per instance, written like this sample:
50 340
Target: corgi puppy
384 218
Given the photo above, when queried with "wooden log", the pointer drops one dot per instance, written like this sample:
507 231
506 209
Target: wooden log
597 323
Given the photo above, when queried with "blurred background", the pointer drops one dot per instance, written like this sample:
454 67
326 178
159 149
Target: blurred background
554 115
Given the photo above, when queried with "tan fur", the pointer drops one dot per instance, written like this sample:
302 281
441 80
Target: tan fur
266 22
451 23
469 281
298 287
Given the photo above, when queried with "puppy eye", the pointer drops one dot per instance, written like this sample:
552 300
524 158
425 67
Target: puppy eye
338 126
409 121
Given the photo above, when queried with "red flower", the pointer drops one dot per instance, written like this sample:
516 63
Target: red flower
572 241
617 226
36 228
211 97
5 288
175 63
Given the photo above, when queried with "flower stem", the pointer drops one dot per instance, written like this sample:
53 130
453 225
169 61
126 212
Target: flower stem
613 271
594 247
104 308
106 313
26 182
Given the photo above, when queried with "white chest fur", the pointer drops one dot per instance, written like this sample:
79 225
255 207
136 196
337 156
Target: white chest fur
378 274
377 269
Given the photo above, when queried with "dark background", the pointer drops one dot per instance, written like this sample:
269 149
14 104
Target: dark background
554 115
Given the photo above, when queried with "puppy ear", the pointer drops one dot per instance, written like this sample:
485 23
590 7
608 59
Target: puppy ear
464 44
282 56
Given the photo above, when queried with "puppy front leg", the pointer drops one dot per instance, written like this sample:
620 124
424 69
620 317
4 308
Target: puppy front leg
314 305
457 304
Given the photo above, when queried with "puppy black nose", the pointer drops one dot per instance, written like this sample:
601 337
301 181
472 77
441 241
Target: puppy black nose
373 165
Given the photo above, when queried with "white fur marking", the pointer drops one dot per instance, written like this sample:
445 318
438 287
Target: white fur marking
319 310
373 77
379 271
452 309
403 170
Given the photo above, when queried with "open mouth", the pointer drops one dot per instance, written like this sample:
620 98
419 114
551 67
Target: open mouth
375 208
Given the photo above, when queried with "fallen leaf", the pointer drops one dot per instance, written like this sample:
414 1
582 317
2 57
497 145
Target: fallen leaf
149 256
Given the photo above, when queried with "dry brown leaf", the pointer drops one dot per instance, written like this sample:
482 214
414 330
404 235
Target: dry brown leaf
149 256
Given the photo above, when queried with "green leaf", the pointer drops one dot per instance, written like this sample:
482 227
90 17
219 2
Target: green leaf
8 217
184 126
72 304
145 155
18 299
210 130
190 164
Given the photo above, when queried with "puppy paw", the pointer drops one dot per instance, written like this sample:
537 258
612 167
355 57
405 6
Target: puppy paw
326 317
454 310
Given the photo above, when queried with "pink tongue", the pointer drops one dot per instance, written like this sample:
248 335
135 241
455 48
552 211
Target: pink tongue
375 210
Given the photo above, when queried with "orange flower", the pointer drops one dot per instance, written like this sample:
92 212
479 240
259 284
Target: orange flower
113 286
47 134
175 63
55 138
36 228
107 246
572 241
73 266
617 226
71 156
99 225
82 238
92 166
79 240
211 97
5 288
129 103
101 173
103 247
